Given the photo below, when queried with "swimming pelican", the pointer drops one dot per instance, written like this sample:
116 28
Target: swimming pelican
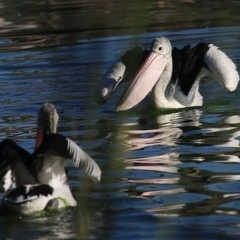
40 178
168 77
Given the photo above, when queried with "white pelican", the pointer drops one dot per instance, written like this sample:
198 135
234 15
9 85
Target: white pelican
170 76
40 178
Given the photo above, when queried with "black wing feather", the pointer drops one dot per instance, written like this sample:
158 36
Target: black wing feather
18 159
187 64
133 59
21 195
53 144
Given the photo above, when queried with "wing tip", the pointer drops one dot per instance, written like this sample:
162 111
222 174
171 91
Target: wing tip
222 67
96 174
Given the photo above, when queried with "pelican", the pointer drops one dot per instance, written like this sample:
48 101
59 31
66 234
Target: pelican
40 178
166 77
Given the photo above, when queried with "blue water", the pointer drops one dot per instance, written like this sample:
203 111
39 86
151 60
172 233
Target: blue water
174 175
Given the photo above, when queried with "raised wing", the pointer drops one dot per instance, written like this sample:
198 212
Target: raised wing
123 69
222 67
59 145
188 63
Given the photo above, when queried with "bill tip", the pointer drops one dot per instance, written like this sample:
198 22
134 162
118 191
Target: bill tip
118 109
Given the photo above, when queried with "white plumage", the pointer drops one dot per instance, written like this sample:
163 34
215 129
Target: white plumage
171 84
222 67
44 169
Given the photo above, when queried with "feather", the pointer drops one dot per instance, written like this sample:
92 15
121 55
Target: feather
222 68
63 147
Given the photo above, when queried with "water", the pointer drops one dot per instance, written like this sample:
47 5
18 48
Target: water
173 175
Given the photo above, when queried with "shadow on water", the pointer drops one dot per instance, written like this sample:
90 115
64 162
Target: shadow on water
169 175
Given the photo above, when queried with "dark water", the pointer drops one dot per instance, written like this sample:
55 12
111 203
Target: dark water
173 176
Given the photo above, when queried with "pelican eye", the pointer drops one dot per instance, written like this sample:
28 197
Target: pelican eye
160 48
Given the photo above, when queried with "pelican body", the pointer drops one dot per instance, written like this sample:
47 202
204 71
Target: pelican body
166 77
40 178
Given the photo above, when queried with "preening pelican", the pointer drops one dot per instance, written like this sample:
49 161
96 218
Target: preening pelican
168 77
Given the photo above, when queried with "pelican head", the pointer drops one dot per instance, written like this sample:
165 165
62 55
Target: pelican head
162 45
148 74
47 122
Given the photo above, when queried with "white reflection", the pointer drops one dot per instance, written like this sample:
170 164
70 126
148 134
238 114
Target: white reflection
167 191
165 164
197 141
227 177
167 133
178 119
231 195
230 158
233 140
140 139
161 163
167 158
165 210
232 119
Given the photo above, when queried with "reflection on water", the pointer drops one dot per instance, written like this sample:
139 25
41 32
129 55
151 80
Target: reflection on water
141 139
168 175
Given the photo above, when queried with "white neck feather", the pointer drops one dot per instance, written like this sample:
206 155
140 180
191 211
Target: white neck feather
158 98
